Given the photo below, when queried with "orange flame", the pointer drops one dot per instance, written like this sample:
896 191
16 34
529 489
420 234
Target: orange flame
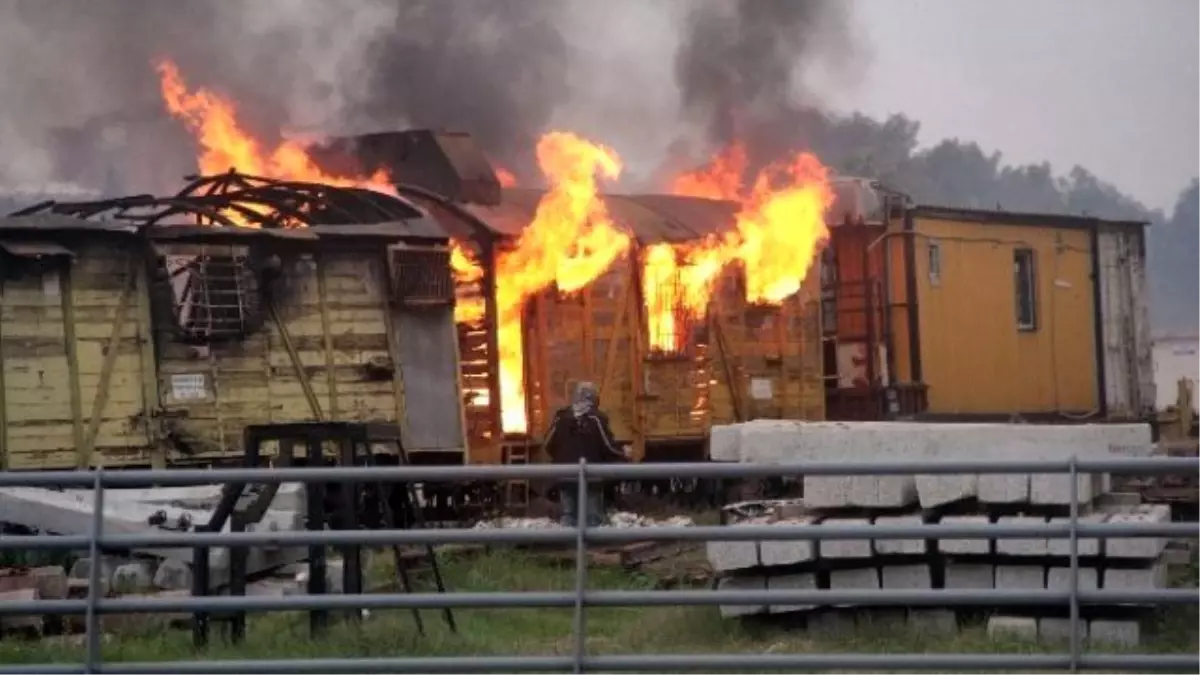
468 307
507 178
780 228
571 241
226 145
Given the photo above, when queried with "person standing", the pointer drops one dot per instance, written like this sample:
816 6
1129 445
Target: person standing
581 431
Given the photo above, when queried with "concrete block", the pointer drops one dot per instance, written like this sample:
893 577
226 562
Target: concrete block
1139 547
905 577
1087 546
884 491
51 582
1026 547
82 569
1059 578
1055 489
1003 488
1020 577
1114 633
134 577
969 576
845 548
1151 577
724 443
752 583
172 575
1020 627
146 624
827 492
779 552
1054 630
930 620
69 512
965 546
792 582
938 490
727 556
864 579
899 546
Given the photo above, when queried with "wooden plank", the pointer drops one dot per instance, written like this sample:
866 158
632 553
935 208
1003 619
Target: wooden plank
100 399
68 322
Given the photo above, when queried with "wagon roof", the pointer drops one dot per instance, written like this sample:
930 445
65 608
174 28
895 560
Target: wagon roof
651 218
655 217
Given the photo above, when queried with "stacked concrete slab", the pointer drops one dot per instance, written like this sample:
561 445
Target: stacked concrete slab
916 498
153 511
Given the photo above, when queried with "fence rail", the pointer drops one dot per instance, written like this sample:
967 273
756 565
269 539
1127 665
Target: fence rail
580 598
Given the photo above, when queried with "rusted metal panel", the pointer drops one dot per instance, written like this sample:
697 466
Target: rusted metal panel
1129 387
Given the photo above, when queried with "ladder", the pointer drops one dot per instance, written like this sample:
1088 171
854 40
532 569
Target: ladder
516 491
412 518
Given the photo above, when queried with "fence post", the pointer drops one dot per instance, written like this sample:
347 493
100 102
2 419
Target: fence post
1074 543
581 564
91 628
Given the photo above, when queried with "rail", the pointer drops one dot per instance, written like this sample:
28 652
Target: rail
580 599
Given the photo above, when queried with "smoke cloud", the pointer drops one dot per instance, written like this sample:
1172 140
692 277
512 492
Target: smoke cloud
742 68
82 102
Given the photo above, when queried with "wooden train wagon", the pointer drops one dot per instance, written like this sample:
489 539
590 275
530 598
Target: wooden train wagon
128 345
739 362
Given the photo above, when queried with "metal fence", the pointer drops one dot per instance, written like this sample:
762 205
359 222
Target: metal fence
580 599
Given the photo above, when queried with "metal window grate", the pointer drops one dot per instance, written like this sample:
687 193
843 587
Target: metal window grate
214 292
421 276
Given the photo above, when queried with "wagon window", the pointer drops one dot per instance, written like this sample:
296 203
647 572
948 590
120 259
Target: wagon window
935 263
213 292
1026 289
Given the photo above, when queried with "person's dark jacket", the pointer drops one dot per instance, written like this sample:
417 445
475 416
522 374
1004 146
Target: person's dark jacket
587 436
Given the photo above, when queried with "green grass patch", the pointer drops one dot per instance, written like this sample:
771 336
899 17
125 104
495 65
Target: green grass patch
392 633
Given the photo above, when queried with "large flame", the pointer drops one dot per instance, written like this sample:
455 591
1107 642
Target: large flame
571 241
780 226
225 145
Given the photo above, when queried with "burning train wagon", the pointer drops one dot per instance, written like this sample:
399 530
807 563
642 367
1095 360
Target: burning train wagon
665 376
131 336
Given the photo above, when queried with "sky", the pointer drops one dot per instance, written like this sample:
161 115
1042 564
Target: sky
1112 85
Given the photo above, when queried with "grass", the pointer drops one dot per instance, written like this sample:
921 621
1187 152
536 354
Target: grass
548 631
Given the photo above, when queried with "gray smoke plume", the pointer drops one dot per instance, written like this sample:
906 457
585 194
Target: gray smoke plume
82 101
496 69
741 65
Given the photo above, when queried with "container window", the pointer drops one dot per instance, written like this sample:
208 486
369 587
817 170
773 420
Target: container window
1026 289
935 263
422 277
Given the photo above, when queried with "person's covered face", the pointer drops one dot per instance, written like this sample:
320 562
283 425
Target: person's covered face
587 399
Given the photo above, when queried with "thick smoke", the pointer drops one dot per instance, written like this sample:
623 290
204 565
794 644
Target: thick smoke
741 67
496 69
82 101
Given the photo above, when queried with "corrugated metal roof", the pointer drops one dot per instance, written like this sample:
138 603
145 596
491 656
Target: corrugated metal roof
35 249
57 222
651 218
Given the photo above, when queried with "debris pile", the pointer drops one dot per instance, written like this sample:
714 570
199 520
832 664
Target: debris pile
622 519
899 500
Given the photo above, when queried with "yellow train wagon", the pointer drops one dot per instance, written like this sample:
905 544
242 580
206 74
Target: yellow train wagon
144 339
737 362
662 392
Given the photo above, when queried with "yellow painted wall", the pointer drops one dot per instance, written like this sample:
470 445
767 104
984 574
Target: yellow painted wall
336 316
974 358
51 385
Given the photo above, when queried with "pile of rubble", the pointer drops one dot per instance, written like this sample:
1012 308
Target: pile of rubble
622 519
911 564
165 572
